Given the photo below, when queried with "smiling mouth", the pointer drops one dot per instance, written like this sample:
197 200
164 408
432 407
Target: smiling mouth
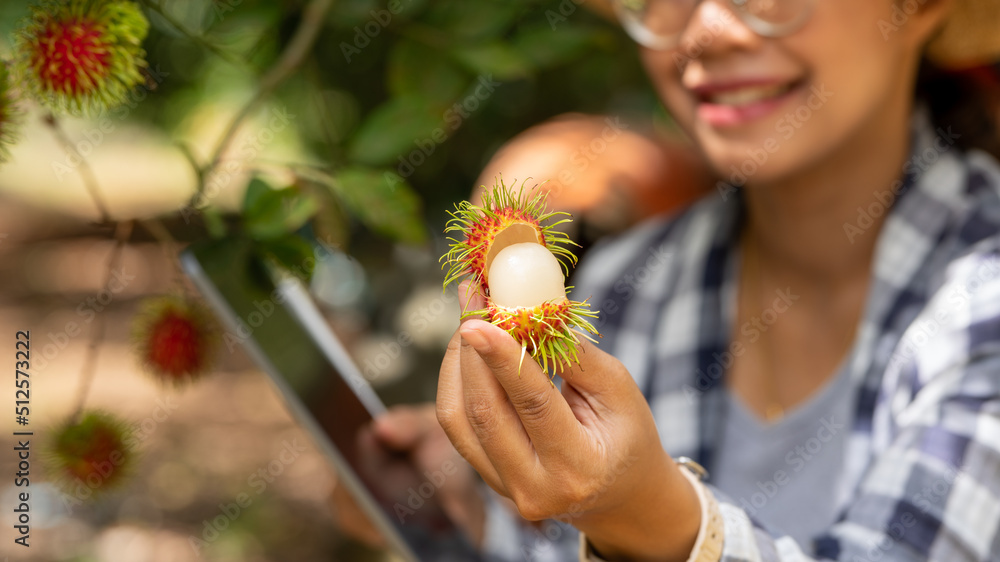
747 95
733 104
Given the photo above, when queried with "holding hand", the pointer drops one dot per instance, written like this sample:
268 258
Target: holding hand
590 453
412 432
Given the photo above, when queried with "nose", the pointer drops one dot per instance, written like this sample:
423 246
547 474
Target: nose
714 29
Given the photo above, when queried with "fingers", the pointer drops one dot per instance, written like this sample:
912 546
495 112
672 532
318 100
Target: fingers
494 420
452 417
402 428
600 377
544 414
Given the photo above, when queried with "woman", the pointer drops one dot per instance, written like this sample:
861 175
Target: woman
822 334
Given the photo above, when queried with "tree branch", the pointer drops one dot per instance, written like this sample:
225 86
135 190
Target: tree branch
84 169
170 247
290 59
123 230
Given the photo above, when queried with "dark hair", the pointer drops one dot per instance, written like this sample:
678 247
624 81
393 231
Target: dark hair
968 101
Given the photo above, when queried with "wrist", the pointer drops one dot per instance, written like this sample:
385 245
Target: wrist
659 520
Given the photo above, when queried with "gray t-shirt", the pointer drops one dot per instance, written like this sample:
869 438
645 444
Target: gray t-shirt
786 475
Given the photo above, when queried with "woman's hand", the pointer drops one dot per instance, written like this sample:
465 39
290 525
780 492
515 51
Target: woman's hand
589 455
414 431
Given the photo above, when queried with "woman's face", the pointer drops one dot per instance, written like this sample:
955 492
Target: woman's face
762 108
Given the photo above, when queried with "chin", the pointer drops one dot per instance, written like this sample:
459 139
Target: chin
752 163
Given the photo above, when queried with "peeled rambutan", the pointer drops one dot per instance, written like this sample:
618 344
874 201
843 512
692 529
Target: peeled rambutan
176 338
510 248
81 55
91 451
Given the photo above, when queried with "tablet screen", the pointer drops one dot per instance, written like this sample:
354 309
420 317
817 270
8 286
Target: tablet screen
283 331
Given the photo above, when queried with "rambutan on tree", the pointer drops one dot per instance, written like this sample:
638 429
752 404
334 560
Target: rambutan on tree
398 105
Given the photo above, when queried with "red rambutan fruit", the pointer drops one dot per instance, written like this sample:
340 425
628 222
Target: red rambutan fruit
175 338
92 452
81 56
510 248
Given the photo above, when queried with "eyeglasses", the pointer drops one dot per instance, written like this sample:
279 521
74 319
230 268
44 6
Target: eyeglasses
658 24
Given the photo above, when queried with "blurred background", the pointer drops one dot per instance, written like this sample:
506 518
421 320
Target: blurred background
427 94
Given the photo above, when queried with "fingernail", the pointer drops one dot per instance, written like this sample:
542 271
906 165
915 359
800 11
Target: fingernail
476 339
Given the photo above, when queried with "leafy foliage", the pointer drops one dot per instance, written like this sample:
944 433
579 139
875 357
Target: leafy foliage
398 104
391 89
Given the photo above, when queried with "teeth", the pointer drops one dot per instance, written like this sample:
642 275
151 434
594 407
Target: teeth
746 96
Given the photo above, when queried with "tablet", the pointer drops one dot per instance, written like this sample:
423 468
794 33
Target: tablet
272 316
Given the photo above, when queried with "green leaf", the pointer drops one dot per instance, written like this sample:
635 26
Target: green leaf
269 213
214 222
544 47
338 118
498 60
330 225
349 13
417 69
346 14
472 21
293 254
383 201
389 132
257 189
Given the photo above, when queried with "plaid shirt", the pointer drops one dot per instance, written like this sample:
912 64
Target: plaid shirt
921 473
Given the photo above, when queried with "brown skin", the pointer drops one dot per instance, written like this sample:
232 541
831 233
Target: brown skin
412 429
538 449
798 201
583 455
625 182
538 446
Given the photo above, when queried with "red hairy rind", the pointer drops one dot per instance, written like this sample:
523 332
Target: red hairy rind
90 455
175 338
81 56
550 332
477 227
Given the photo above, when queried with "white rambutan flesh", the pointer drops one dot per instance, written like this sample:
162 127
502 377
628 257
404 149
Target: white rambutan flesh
525 275
510 248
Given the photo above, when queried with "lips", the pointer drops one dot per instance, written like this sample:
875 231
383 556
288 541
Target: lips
738 102
748 95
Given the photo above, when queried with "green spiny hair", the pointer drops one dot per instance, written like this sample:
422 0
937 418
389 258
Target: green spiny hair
550 332
81 56
10 113
478 225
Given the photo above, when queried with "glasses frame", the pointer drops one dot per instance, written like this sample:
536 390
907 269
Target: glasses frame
643 36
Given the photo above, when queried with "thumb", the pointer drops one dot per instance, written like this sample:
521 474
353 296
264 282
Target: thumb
501 353
488 351
596 373
402 428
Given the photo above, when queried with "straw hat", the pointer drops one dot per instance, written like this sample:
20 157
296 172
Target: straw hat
970 36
